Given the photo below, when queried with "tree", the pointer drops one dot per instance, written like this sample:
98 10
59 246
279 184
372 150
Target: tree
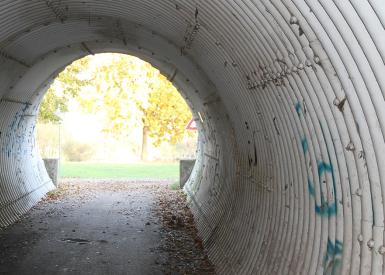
166 114
51 105
119 86
122 82
67 85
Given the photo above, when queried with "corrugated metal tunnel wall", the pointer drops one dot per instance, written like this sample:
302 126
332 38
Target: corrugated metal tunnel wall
290 177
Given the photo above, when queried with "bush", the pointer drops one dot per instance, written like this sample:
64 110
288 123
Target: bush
47 138
75 151
175 186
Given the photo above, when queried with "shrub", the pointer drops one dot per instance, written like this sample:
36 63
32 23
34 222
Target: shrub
76 151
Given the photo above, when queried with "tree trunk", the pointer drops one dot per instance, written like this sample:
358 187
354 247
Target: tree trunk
144 154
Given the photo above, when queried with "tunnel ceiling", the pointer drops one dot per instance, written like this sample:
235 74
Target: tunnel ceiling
290 176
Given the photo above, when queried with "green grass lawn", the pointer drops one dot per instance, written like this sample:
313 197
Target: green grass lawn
126 171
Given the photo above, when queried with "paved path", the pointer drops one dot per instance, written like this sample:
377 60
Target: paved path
102 230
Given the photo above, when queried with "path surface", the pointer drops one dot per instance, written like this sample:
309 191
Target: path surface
99 227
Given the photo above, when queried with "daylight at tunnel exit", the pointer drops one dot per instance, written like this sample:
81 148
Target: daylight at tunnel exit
192 137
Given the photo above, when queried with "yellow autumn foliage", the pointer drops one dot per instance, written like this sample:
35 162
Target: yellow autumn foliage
121 86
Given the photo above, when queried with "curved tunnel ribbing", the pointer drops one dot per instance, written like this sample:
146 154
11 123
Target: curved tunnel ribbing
290 174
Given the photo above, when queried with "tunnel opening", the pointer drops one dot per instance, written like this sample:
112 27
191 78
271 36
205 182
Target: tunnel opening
115 116
84 218
289 177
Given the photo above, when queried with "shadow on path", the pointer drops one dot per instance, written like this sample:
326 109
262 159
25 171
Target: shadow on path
105 227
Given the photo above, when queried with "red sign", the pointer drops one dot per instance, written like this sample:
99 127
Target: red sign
192 125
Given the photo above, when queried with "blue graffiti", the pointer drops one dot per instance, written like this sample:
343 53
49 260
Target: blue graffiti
298 108
332 259
328 168
324 167
305 145
310 187
326 208
333 249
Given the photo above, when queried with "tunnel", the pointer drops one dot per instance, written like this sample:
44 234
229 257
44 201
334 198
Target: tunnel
289 101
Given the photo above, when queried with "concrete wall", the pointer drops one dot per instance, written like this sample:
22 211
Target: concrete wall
52 167
185 168
290 174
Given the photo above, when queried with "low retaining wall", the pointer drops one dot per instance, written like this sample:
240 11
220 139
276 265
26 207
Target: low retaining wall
185 168
52 165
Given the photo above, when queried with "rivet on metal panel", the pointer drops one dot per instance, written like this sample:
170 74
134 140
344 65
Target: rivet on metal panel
360 238
350 146
336 101
370 243
308 63
293 20
300 66
381 250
